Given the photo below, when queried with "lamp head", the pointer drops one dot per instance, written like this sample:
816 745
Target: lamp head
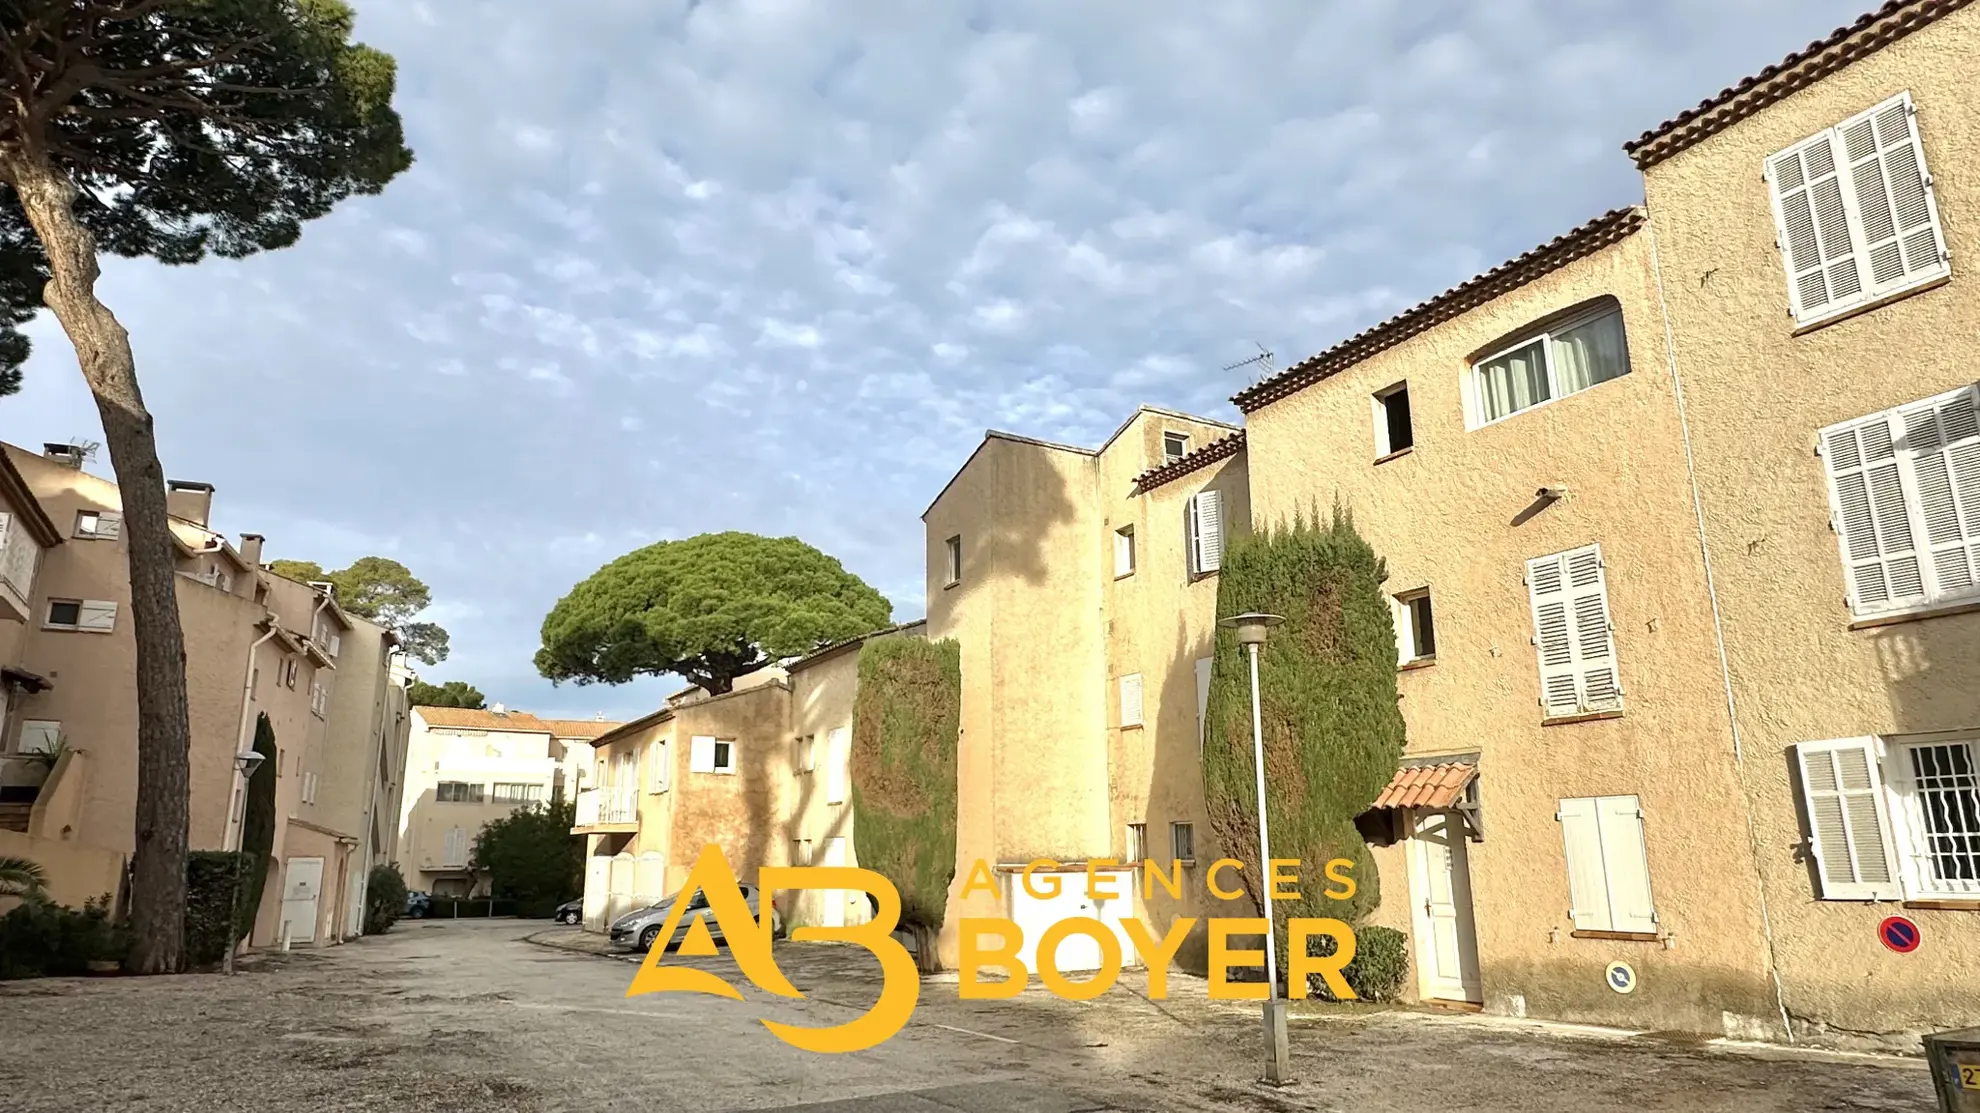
1251 626
248 762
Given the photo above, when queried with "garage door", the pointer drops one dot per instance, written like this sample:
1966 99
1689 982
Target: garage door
1080 951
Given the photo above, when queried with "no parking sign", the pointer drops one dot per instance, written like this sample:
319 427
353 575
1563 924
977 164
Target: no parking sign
1899 934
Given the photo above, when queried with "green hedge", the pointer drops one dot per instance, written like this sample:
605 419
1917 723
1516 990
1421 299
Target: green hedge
210 887
1380 968
40 939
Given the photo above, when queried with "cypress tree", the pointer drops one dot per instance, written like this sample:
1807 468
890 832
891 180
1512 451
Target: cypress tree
257 826
1332 731
906 714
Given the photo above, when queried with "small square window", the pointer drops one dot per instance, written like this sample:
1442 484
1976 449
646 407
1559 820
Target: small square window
1182 841
1124 552
1137 843
954 546
725 756
1416 629
64 612
1175 446
1393 432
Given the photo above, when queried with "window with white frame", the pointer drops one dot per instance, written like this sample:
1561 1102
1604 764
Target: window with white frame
708 754
1124 552
1608 868
953 548
1204 524
1130 691
800 852
725 755
1175 446
1854 213
807 756
1579 350
1572 633
517 792
39 736
1893 818
319 699
95 616
99 525
458 792
1182 842
1416 630
1904 498
1137 843
1393 432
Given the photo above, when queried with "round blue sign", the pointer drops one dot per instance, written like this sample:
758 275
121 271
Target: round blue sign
1899 934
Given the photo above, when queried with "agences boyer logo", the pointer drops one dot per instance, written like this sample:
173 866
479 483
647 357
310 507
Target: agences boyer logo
748 939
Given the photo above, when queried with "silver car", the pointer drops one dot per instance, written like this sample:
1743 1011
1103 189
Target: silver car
640 929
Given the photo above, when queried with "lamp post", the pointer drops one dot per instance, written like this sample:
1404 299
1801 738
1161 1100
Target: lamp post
1251 628
247 762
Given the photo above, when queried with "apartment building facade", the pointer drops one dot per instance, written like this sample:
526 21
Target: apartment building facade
255 644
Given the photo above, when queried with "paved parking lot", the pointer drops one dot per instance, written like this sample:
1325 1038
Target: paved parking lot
471 1015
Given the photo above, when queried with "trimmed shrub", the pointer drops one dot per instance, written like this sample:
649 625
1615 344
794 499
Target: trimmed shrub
384 899
258 824
1333 733
1380 968
210 889
905 719
530 857
39 939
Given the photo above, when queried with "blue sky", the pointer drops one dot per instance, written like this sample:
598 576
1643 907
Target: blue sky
665 267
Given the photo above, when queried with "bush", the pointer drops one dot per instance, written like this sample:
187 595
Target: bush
1380 968
384 899
39 939
211 879
529 855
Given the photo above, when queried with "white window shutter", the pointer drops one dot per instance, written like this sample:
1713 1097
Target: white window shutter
1843 791
701 754
1940 442
1896 213
1872 519
1594 633
1588 890
1399 618
663 766
1123 553
40 736
1546 589
97 614
336 644
1625 863
1208 533
1131 700
1813 223
109 525
837 747
656 773
1203 665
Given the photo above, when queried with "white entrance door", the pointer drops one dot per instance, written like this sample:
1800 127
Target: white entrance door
597 891
834 912
302 889
1079 951
1440 882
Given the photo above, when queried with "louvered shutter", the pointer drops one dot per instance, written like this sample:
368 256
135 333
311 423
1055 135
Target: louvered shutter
109 525
663 766
1896 213
1206 532
1850 831
1594 634
1202 698
1625 864
1131 700
1546 588
1872 520
701 754
837 744
1588 892
1813 224
98 615
1941 443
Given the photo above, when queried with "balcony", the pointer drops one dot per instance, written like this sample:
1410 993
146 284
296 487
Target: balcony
613 808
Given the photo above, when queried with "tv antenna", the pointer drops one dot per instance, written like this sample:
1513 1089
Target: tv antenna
86 449
1262 360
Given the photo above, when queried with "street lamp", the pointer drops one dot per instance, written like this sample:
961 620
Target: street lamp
246 762
1251 628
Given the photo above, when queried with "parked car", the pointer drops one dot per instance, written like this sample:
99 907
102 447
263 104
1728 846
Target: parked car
570 912
640 930
418 904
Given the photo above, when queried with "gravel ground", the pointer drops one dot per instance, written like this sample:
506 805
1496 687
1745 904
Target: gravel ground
470 1015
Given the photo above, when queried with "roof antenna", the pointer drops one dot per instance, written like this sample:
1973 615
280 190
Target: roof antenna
1262 360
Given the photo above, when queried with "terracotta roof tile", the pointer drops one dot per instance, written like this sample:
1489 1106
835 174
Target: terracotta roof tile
1866 36
1427 786
1219 449
470 719
580 728
1610 227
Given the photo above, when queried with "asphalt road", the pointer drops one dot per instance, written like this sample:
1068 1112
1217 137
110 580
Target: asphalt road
469 1015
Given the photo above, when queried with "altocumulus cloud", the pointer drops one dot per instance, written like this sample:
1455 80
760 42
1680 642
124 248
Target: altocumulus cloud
664 268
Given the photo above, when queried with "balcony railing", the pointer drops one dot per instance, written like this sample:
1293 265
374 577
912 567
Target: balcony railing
611 804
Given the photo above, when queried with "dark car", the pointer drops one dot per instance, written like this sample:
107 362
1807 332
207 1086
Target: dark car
570 912
417 905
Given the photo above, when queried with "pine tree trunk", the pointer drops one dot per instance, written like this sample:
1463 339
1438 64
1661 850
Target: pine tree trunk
103 348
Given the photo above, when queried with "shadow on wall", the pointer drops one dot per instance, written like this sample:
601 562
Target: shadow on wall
1031 508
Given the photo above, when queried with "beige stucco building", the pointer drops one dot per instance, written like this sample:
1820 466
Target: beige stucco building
331 684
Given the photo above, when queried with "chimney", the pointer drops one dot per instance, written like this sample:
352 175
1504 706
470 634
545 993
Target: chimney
251 548
188 500
67 455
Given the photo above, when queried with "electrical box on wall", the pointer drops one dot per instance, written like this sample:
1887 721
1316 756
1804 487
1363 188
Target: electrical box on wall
1955 1062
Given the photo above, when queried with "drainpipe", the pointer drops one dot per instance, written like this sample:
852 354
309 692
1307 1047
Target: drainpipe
322 601
237 816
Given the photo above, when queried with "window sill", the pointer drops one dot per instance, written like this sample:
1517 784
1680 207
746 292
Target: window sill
1590 717
1945 905
950 584
1618 936
1878 302
1917 614
1417 663
1132 726
1396 455
1119 576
